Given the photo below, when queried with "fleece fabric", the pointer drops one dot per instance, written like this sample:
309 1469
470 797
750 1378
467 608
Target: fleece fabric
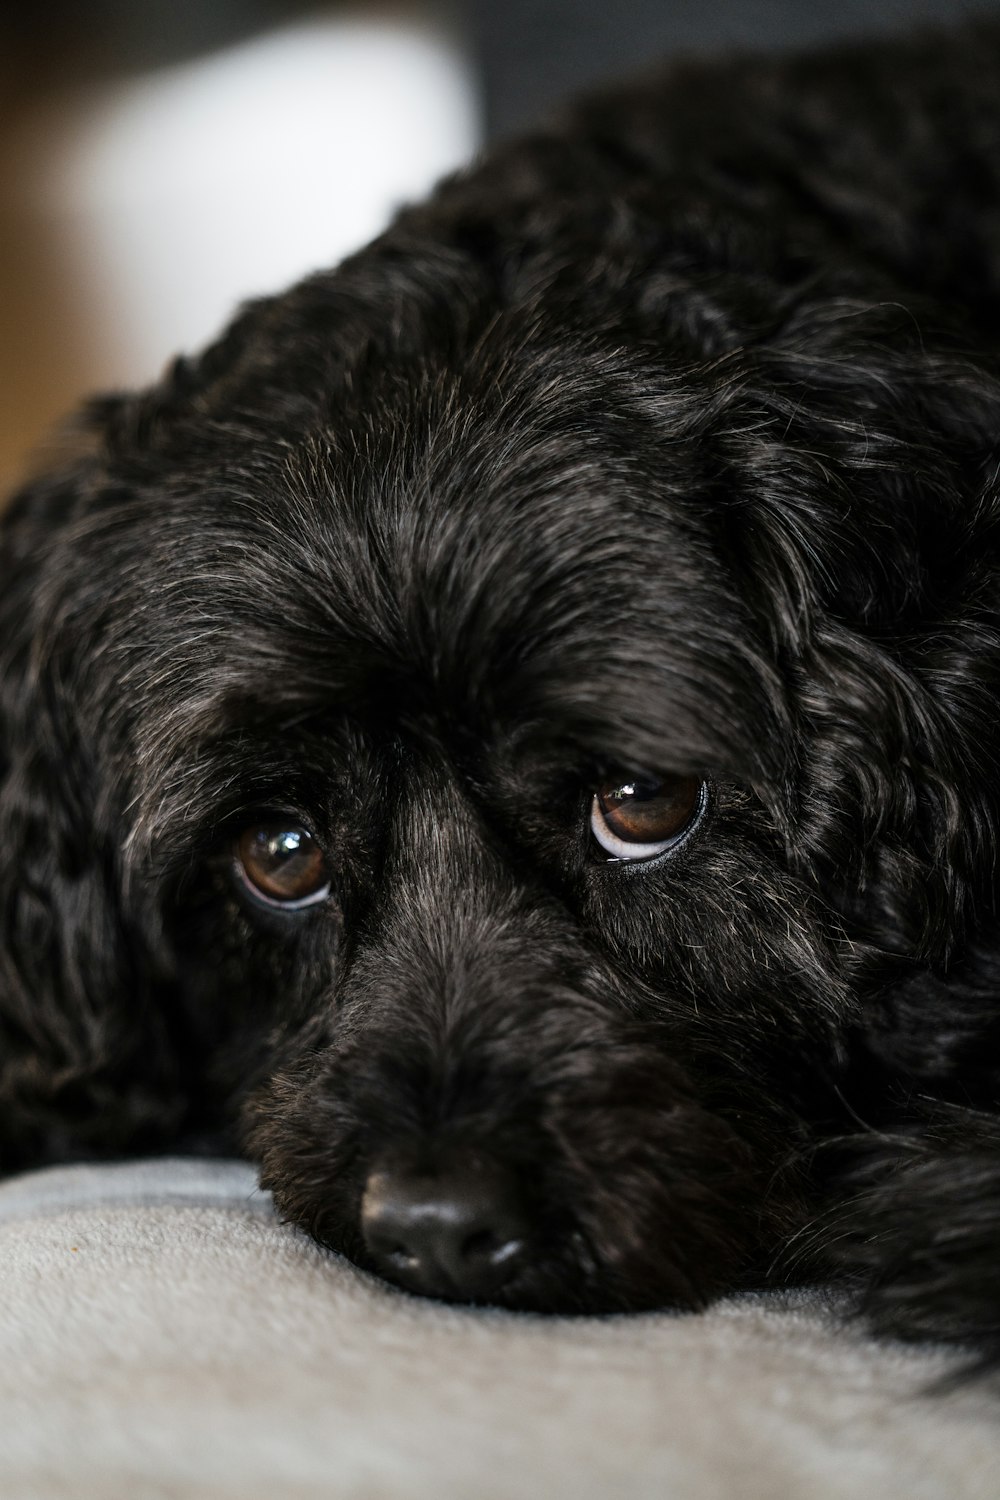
164 1337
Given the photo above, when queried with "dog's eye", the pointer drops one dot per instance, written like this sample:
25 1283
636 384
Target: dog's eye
647 815
282 865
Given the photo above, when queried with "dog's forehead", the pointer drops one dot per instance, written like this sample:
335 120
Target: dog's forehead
545 564
507 536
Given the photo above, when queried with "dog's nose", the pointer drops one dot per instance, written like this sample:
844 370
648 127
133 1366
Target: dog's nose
458 1233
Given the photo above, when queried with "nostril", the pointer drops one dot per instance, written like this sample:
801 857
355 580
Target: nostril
482 1244
399 1256
494 1248
458 1232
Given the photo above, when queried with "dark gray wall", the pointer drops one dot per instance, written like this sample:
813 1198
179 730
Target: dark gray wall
533 52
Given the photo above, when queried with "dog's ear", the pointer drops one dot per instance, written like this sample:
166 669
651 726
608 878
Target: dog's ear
85 1066
850 446
863 503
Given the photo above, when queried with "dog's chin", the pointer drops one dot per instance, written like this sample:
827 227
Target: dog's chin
589 1189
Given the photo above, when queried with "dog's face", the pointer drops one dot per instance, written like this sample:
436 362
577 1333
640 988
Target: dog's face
473 733
446 745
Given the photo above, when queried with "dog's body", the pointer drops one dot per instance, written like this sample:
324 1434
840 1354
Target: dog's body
636 497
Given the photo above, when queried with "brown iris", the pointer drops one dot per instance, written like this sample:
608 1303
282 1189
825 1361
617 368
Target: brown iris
645 815
282 864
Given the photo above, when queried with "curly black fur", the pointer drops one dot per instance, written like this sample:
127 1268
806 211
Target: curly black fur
667 438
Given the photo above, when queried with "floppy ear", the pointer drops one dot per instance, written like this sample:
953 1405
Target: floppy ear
85 1063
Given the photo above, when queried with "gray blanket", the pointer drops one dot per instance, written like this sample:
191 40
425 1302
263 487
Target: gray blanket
162 1335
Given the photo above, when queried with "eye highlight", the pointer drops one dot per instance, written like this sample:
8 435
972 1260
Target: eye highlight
281 865
643 817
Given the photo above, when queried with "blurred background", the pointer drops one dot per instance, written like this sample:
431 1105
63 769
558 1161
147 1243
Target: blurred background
162 160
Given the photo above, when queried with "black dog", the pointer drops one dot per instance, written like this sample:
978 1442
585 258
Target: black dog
510 735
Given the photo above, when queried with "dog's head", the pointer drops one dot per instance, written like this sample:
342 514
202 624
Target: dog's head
451 735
